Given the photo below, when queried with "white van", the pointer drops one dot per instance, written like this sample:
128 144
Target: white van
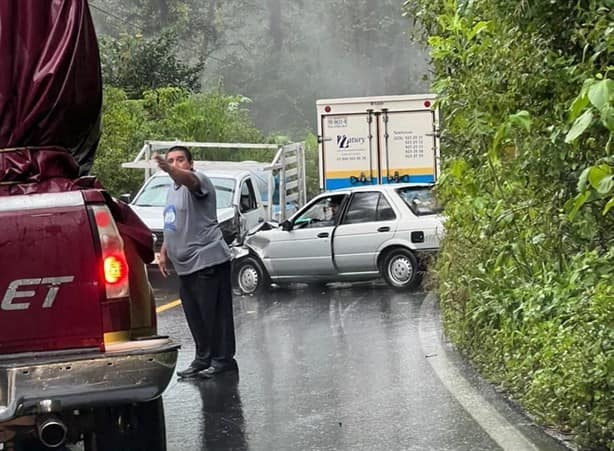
240 205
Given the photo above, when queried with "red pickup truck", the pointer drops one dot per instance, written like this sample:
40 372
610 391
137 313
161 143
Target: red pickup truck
80 358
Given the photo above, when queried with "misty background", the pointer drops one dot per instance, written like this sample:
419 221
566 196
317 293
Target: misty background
281 54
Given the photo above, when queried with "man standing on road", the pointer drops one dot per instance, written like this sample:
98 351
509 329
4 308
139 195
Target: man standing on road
194 244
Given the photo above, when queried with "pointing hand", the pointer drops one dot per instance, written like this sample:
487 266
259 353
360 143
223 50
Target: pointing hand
162 163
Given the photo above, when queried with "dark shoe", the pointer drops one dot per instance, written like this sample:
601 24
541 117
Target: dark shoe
192 370
213 371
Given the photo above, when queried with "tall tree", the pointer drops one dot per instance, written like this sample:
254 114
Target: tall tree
136 64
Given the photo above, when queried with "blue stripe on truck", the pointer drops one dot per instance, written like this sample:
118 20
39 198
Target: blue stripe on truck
345 182
414 179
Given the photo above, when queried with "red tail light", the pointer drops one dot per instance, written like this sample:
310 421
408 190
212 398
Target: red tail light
114 266
114 276
115 269
103 218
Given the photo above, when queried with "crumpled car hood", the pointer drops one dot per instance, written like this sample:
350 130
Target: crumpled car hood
259 237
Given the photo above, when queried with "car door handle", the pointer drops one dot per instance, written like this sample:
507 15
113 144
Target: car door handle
323 235
384 229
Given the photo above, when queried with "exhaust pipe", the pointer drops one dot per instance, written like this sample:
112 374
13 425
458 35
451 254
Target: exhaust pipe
52 431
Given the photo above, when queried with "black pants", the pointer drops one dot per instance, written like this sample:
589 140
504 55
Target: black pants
206 296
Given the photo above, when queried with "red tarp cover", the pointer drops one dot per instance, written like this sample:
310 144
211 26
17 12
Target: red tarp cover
50 103
50 84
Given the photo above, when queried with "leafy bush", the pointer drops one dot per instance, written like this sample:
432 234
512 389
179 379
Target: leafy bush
124 127
168 114
526 272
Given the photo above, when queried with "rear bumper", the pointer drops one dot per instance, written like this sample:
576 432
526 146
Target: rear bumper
132 372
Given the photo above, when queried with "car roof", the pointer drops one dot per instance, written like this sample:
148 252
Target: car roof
386 187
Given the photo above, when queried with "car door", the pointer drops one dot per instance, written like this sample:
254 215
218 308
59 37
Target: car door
306 250
368 223
248 205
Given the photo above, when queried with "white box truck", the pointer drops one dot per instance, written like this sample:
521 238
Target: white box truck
377 140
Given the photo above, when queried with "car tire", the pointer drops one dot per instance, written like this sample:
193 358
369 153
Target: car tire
138 427
249 276
400 269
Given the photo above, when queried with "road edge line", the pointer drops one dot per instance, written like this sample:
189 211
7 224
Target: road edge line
504 433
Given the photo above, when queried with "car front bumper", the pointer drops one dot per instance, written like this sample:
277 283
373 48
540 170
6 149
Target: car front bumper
132 372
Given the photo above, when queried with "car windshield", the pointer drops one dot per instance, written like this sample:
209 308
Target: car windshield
421 200
154 193
224 190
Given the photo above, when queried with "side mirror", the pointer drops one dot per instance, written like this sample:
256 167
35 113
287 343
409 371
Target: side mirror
126 197
286 225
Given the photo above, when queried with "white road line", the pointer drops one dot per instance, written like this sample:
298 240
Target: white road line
507 436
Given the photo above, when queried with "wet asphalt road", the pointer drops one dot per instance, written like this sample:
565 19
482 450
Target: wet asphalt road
350 367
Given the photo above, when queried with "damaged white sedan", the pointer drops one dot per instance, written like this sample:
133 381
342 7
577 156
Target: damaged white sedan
352 234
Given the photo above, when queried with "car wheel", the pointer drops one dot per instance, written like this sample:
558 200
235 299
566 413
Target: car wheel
400 269
250 277
138 427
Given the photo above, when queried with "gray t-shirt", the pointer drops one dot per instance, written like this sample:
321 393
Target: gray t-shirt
192 236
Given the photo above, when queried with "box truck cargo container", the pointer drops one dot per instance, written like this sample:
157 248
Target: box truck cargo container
377 140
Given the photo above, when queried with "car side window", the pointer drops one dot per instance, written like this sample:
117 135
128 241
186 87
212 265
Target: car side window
420 200
369 207
247 201
321 214
363 208
384 210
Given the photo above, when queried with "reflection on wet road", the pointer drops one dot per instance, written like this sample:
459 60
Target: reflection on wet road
335 369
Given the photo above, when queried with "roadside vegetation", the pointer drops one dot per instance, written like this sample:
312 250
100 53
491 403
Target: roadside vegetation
168 114
526 273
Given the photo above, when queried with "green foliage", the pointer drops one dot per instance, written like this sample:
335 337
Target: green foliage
213 116
526 272
311 159
135 64
596 183
124 127
166 114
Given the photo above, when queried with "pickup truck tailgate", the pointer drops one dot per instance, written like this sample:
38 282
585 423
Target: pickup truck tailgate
50 277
